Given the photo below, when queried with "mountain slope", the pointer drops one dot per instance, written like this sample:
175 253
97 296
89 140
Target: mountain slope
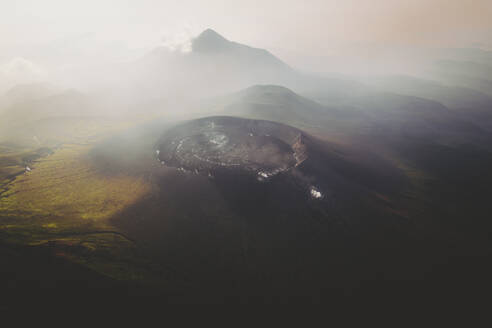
216 220
468 104
374 114
27 92
213 66
210 42
276 103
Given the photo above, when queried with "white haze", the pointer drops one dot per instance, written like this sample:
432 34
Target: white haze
312 34
134 55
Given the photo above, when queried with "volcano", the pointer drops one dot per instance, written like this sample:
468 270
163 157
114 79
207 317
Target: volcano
244 202
261 148
244 154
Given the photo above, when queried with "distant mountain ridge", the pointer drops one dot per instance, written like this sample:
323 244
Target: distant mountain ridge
214 66
276 103
210 41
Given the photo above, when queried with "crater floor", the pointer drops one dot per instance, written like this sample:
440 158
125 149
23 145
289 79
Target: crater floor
205 145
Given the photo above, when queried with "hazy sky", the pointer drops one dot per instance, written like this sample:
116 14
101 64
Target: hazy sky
291 29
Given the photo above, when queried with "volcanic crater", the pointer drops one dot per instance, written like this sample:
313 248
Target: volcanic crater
213 144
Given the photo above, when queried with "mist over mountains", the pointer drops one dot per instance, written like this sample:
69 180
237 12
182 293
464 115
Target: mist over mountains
215 172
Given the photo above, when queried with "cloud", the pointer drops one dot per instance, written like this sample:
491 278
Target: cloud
19 66
20 70
178 40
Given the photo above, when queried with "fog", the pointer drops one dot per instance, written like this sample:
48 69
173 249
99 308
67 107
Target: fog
180 59
56 36
245 151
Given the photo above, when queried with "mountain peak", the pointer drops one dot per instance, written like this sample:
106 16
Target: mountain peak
210 33
269 88
209 40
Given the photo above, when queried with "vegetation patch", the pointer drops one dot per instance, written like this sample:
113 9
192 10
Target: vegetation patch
63 202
